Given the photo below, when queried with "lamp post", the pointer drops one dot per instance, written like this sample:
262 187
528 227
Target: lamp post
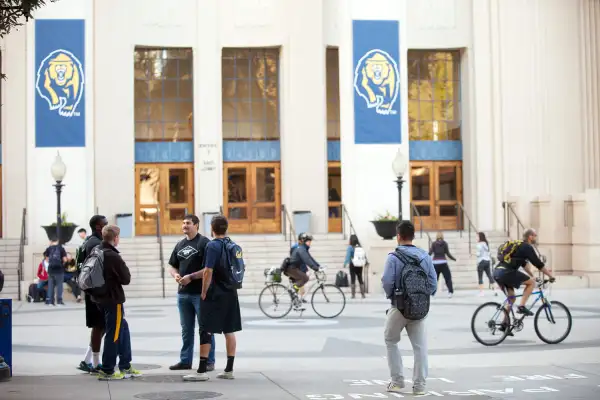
58 170
399 167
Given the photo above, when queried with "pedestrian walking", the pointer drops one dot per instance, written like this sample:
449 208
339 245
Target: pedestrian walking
439 249
484 263
188 258
409 279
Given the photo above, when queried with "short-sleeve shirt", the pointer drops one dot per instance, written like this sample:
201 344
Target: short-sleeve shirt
187 257
63 252
214 254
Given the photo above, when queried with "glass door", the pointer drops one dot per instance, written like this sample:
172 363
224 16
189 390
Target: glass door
146 198
164 190
422 195
236 205
178 182
448 179
252 197
334 199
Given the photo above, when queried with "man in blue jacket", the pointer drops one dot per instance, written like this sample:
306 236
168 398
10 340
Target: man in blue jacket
396 322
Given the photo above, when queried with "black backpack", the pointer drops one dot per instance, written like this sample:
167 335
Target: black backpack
341 279
413 295
54 258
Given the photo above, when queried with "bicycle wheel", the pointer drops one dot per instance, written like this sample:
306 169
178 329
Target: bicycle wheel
329 299
494 317
274 297
554 313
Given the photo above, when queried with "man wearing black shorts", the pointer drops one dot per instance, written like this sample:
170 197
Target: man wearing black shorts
94 317
507 275
220 305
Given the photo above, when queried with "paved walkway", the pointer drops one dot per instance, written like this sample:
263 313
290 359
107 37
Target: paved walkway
309 357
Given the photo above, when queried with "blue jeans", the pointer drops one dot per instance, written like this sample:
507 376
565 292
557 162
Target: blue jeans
55 280
189 312
117 340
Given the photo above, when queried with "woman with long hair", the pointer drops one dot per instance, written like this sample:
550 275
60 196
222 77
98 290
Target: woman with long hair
355 270
439 250
484 263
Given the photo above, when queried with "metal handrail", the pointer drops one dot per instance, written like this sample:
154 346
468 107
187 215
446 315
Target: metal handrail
415 211
461 211
508 209
160 245
287 221
346 215
22 243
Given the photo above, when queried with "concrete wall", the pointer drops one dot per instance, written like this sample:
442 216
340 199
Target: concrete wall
530 91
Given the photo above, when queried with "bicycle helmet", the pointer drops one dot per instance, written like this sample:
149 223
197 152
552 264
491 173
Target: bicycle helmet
303 237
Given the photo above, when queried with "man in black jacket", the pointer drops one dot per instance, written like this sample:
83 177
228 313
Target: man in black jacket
117 339
94 318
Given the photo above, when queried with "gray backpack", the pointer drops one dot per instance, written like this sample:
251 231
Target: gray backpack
91 276
413 295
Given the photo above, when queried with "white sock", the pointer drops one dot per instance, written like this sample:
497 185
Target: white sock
96 361
88 355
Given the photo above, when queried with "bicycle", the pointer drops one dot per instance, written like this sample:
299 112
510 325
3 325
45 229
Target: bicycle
502 314
273 286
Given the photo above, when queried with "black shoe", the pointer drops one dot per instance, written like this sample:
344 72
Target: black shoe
503 328
523 310
85 367
180 366
210 367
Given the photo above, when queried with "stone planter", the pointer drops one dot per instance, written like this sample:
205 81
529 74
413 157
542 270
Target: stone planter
66 233
385 229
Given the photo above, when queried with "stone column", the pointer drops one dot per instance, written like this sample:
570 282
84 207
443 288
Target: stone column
589 14
303 116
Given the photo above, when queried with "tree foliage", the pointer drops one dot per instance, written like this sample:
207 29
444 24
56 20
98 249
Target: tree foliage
13 13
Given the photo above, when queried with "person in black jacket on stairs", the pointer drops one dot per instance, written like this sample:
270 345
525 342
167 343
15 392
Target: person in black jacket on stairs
440 250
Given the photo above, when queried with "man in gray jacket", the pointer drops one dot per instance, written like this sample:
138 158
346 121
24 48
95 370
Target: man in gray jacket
396 322
299 260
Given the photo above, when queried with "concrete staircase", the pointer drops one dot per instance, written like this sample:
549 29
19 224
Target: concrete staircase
464 270
260 252
9 264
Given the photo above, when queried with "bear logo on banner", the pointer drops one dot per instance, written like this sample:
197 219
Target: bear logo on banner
377 80
60 82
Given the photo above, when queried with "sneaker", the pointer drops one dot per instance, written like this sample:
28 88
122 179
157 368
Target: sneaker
131 373
481 294
394 387
96 370
419 392
197 377
210 367
180 366
449 295
225 375
523 310
61 303
115 376
85 367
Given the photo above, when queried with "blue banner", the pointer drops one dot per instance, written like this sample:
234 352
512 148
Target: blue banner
376 57
60 83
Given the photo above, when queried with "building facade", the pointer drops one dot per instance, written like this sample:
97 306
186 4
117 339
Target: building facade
259 107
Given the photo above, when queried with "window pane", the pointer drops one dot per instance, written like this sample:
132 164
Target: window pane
425 111
249 93
164 78
149 186
413 129
178 185
157 112
420 183
186 89
447 183
265 185
426 130
156 89
236 185
414 110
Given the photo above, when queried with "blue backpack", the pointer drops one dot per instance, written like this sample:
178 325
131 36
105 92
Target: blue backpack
233 262
54 258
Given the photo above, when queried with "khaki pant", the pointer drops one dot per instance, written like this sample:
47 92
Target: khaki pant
417 335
